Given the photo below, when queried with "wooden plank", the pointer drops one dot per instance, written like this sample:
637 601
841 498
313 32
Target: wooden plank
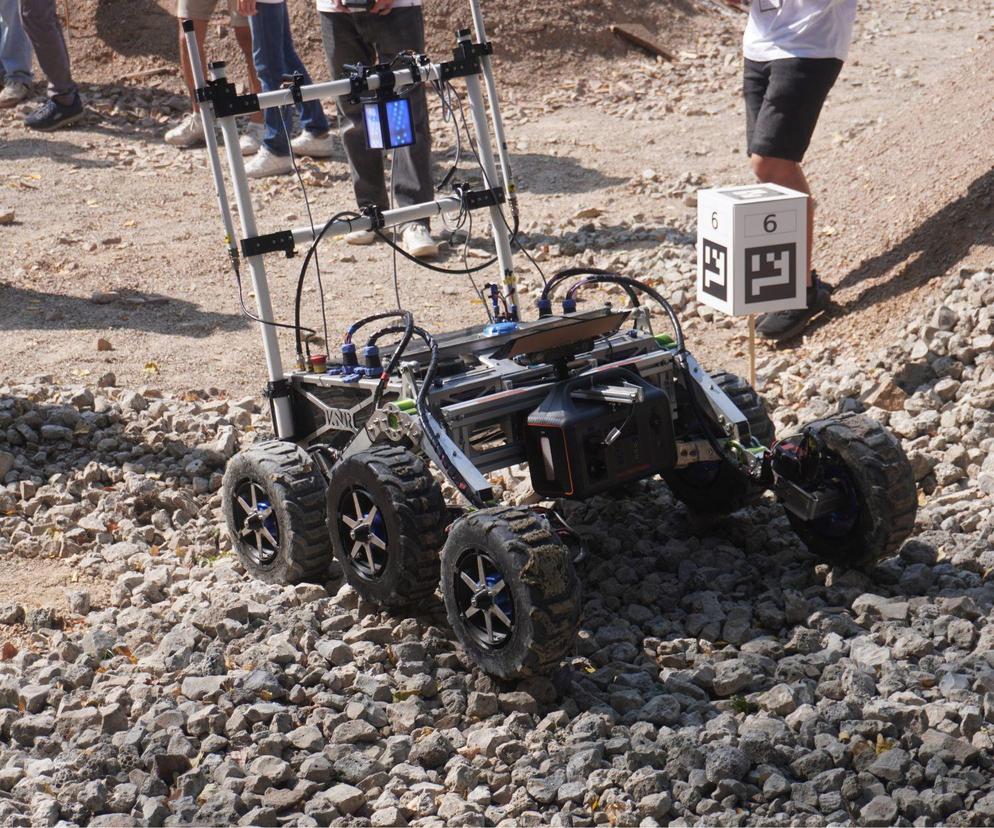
640 36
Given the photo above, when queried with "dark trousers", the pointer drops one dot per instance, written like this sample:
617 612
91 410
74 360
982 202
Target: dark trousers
45 33
368 39
274 56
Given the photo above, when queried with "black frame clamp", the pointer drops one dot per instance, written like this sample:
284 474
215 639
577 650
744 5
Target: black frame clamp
375 216
281 241
293 83
465 60
224 97
476 199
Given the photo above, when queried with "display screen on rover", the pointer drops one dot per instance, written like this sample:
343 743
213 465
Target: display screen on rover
389 124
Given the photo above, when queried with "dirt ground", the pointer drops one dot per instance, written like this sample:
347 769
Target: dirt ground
116 236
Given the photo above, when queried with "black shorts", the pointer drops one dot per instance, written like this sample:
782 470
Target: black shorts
783 101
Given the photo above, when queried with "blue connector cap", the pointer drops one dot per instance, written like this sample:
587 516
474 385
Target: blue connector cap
371 356
348 355
498 328
544 308
569 305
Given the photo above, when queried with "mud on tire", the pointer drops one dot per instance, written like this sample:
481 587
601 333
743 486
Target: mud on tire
390 553
516 564
874 472
273 502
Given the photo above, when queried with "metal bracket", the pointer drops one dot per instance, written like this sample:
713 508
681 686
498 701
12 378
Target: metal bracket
465 60
476 199
269 243
806 505
224 97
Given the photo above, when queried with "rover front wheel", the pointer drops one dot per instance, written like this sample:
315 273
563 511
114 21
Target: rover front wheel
511 592
272 498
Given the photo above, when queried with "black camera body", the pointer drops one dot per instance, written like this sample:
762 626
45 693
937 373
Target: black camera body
359 5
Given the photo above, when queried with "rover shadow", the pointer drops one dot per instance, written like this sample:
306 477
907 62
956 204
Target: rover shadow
24 309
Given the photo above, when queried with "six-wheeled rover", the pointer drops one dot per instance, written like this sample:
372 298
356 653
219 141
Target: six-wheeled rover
589 397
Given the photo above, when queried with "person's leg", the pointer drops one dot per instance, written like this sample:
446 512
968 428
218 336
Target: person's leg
785 123
266 35
343 45
45 32
312 117
243 36
15 47
787 174
779 138
401 30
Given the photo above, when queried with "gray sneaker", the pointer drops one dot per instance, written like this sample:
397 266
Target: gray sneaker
13 93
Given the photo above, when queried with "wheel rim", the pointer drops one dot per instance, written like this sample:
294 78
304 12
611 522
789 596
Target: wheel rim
363 532
843 520
256 525
483 599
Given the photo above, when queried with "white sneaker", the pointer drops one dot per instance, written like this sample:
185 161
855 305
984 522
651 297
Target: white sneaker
315 146
13 93
360 237
265 163
251 138
417 241
189 133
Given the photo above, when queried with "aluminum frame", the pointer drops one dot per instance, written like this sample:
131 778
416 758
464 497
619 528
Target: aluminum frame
482 123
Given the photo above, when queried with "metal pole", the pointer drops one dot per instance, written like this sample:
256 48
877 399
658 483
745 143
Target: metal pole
207 119
752 350
282 414
501 230
495 114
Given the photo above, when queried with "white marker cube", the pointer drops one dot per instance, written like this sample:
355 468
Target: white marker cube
752 249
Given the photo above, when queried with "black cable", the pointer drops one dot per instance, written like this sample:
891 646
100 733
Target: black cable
310 219
616 279
515 240
366 320
345 215
246 312
407 330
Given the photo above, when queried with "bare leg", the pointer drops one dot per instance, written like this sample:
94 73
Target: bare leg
787 174
200 32
243 34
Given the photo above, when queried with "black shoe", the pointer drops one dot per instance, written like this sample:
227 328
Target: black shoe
783 325
54 115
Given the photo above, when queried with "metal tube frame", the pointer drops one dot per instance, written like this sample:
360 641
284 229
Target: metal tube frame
282 412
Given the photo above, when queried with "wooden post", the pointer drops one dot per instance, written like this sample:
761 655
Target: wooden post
752 350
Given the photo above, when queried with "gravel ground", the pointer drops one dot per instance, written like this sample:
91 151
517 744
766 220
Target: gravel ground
721 676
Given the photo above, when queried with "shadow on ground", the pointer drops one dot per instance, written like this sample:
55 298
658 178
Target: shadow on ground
25 309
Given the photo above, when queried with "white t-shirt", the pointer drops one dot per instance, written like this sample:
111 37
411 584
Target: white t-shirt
329 6
780 29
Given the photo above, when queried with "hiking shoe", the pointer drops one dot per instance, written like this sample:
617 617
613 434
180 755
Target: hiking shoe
52 115
781 325
313 145
266 162
189 133
417 241
251 138
360 237
13 93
